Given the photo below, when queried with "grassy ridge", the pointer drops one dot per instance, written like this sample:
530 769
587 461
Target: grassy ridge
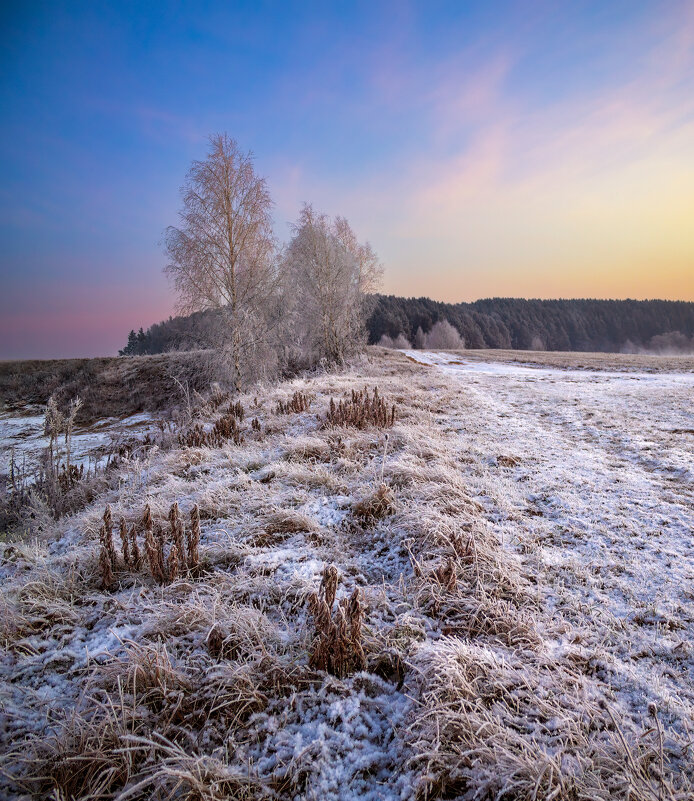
108 386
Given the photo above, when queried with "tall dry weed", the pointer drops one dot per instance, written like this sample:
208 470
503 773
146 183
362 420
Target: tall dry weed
337 646
362 410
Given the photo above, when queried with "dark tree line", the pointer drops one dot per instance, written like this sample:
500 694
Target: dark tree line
588 325
583 325
194 331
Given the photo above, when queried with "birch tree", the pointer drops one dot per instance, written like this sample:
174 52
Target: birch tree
221 255
331 275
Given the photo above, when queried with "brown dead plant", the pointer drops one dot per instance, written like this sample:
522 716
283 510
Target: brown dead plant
225 429
299 402
337 646
362 410
167 554
193 538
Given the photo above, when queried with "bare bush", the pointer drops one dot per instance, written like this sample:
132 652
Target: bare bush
401 342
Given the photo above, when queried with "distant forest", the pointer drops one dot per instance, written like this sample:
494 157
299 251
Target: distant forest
583 325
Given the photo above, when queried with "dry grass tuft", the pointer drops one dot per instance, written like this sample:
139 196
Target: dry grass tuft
446 576
537 741
377 506
86 758
288 522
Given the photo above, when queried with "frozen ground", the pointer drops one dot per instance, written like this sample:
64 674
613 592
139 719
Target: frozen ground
22 435
597 495
528 607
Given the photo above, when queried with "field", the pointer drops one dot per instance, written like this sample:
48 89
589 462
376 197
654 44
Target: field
514 614
612 362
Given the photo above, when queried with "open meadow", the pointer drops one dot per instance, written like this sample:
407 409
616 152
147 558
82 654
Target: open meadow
475 581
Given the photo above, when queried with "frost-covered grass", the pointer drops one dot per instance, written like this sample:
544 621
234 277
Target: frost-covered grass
529 613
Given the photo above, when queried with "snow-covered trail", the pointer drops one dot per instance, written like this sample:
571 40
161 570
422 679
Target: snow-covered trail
590 476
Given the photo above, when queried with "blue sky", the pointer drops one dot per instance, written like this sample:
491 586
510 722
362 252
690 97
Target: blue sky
536 149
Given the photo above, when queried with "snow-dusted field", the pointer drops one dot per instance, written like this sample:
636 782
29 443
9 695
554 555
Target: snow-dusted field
528 607
600 504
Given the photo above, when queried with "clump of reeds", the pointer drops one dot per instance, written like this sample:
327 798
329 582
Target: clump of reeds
255 424
177 556
125 541
194 437
217 398
167 555
337 645
299 402
236 410
225 428
70 476
361 410
107 555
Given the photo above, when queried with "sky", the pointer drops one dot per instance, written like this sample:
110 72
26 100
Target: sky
528 149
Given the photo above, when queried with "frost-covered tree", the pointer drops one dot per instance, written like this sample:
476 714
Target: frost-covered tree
420 339
330 276
221 256
401 342
444 335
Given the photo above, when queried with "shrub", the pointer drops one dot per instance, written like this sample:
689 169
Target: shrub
444 335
